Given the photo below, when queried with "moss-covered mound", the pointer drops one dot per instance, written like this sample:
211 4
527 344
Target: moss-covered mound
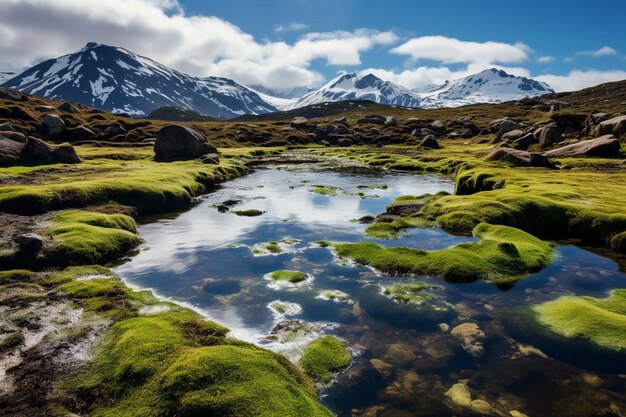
86 237
424 311
408 293
502 253
169 361
601 321
290 276
324 357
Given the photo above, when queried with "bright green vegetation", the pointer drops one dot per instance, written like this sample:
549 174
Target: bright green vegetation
408 293
391 230
325 190
290 276
173 362
334 295
279 307
372 187
149 186
502 252
11 341
248 213
601 321
86 237
324 357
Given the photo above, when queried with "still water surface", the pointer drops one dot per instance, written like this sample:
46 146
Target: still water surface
404 361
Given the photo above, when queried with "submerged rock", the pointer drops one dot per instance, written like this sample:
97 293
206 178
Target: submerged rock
471 338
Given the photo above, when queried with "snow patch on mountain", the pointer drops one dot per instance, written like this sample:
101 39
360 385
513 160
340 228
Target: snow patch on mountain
6 76
488 86
350 86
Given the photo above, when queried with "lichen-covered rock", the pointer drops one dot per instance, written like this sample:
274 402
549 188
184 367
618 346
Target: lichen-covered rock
175 142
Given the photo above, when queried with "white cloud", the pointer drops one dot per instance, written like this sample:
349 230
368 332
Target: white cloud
291 27
545 59
604 51
578 79
450 50
159 29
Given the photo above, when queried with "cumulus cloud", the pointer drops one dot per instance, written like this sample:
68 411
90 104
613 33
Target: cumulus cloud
545 59
578 79
603 51
291 27
159 29
450 50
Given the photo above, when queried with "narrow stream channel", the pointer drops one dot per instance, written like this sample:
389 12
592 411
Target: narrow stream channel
404 361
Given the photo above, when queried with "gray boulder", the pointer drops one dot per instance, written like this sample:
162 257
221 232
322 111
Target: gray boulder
52 125
520 158
175 142
11 148
525 141
79 133
30 242
391 121
69 108
607 145
548 135
11 94
512 135
38 151
372 119
429 142
503 125
615 126
66 154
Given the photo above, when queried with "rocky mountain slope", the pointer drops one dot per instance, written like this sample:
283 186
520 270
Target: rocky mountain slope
351 86
119 81
488 86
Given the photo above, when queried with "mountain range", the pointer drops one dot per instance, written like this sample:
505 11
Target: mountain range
117 80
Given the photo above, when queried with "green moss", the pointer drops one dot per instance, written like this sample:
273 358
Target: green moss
394 229
148 186
322 243
335 295
501 252
84 237
408 293
601 321
289 276
324 357
273 247
325 190
10 341
249 212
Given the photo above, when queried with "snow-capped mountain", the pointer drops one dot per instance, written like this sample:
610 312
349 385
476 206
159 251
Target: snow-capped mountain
488 86
282 99
353 87
6 76
119 81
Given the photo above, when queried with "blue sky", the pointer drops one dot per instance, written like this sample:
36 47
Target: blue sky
287 43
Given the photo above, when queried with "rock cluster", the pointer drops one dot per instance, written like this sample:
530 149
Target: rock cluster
19 149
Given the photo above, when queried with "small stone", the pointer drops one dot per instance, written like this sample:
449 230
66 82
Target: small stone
480 406
459 394
30 242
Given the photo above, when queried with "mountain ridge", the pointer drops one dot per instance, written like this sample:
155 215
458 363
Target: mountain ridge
117 80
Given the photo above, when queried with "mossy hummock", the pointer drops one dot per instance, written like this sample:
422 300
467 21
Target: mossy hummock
601 321
86 237
171 361
293 277
502 253
324 357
